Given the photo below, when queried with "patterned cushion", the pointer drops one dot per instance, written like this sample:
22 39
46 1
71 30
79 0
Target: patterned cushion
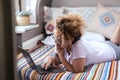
87 13
105 21
50 15
49 27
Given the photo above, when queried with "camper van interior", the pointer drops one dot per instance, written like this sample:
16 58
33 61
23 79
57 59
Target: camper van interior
35 23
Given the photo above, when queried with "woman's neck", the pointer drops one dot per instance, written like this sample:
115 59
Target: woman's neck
68 50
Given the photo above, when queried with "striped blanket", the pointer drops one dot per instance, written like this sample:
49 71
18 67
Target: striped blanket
103 71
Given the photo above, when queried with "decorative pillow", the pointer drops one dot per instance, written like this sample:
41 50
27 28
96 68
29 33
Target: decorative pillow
87 13
93 36
116 9
50 15
49 40
49 26
105 21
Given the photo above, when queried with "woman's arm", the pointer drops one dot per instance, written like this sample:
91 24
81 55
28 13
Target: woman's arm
77 65
116 35
68 66
60 52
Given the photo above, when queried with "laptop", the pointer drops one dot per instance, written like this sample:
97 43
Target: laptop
38 68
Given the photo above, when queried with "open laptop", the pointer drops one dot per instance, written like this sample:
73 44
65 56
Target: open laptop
38 68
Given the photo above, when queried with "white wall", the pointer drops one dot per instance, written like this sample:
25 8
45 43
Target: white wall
85 2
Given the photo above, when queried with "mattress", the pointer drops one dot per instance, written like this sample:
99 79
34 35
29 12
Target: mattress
103 71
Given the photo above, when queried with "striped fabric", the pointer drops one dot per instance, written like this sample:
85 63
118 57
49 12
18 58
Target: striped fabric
104 71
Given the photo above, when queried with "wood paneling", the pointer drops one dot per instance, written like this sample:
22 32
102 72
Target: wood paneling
89 3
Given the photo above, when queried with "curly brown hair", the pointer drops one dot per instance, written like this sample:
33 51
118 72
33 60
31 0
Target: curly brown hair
70 26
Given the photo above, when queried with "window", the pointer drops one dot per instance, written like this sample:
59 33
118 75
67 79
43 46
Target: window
27 5
32 7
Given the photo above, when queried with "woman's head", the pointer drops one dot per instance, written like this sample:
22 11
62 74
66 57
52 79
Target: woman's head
69 29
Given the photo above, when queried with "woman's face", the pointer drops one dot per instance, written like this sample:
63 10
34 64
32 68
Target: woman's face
60 39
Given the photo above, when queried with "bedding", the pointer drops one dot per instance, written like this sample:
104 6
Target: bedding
93 16
91 36
103 71
88 13
105 21
49 40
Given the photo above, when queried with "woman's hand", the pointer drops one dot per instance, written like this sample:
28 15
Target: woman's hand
49 61
59 50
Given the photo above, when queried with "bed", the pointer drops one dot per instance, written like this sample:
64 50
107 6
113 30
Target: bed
103 71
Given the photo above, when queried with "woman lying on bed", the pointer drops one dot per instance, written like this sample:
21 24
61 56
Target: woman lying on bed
74 52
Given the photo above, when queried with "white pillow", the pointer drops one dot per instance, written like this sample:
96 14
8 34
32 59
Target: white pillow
49 40
93 36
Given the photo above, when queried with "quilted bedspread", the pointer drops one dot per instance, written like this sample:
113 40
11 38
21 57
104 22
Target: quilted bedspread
103 71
